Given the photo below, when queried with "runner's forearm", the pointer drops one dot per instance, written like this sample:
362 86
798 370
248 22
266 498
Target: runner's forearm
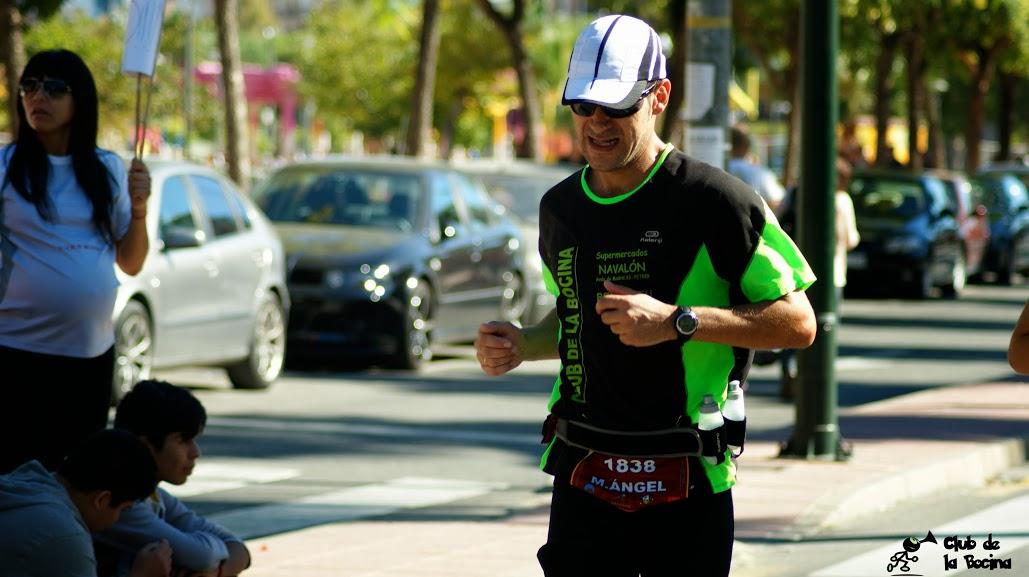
540 340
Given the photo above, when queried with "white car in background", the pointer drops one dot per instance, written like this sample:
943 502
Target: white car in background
212 291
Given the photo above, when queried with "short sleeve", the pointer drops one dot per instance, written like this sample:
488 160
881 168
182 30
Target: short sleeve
121 208
748 248
776 267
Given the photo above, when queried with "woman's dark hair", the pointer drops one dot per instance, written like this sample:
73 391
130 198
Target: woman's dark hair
29 167
155 409
111 460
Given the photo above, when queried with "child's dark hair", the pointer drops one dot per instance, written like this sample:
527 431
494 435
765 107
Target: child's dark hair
155 409
111 460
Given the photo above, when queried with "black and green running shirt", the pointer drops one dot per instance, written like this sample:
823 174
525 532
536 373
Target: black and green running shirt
690 234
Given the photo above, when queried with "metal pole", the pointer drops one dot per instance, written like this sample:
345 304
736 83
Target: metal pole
709 73
816 431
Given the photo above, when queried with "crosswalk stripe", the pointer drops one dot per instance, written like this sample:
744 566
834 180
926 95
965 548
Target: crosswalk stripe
1008 518
227 474
390 431
349 504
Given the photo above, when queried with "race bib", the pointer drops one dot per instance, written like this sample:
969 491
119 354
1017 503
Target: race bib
631 483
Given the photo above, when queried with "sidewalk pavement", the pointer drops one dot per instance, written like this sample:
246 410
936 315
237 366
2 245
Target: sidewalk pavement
903 448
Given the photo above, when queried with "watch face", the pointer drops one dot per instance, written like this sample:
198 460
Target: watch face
686 322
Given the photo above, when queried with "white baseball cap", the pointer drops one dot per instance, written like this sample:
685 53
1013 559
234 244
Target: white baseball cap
614 60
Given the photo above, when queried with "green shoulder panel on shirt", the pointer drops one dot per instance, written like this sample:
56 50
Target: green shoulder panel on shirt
777 266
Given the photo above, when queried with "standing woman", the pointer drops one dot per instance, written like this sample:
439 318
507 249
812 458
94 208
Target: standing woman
68 213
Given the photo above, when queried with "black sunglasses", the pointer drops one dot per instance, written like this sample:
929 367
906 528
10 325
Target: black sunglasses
588 108
52 87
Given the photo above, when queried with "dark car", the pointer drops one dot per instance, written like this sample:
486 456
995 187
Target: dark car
972 219
910 240
388 256
519 186
1007 202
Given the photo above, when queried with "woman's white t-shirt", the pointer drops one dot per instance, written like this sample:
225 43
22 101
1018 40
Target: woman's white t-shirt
57 279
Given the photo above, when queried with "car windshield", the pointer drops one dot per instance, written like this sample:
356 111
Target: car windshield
520 194
351 196
887 199
1000 193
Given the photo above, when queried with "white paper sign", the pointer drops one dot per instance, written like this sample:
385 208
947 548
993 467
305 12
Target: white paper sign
142 36
700 89
707 144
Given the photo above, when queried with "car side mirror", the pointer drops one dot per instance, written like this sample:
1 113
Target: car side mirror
172 238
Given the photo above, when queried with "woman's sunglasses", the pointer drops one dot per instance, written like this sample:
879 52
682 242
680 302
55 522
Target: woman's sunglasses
52 87
588 108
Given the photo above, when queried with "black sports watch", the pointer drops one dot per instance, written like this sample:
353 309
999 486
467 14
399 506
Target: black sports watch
686 323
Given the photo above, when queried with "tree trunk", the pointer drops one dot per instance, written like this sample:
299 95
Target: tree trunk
450 125
916 94
792 161
936 153
981 79
512 28
14 58
237 158
883 94
1006 120
672 125
419 130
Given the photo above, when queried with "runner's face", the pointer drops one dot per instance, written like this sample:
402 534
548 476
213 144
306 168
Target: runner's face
612 144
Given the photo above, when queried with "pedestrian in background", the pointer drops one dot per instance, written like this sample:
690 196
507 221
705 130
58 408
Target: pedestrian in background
744 166
846 239
667 271
46 518
68 213
1018 348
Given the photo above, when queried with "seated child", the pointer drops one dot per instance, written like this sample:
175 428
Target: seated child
169 420
45 518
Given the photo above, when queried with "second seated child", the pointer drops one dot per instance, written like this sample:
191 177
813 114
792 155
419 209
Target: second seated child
169 420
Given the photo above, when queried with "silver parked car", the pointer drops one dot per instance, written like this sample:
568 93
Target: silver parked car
213 289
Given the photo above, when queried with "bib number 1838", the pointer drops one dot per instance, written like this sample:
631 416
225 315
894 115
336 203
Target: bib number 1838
630 465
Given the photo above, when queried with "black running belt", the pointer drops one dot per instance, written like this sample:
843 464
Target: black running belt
678 442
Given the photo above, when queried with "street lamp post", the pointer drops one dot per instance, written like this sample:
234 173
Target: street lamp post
816 432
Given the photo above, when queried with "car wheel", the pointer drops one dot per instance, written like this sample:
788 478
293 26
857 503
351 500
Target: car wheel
922 286
1006 271
133 349
515 301
263 364
414 339
958 277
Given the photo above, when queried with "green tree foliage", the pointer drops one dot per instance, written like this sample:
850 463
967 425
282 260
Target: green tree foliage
985 34
357 65
91 38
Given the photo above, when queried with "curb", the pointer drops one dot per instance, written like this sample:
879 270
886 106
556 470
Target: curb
973 468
